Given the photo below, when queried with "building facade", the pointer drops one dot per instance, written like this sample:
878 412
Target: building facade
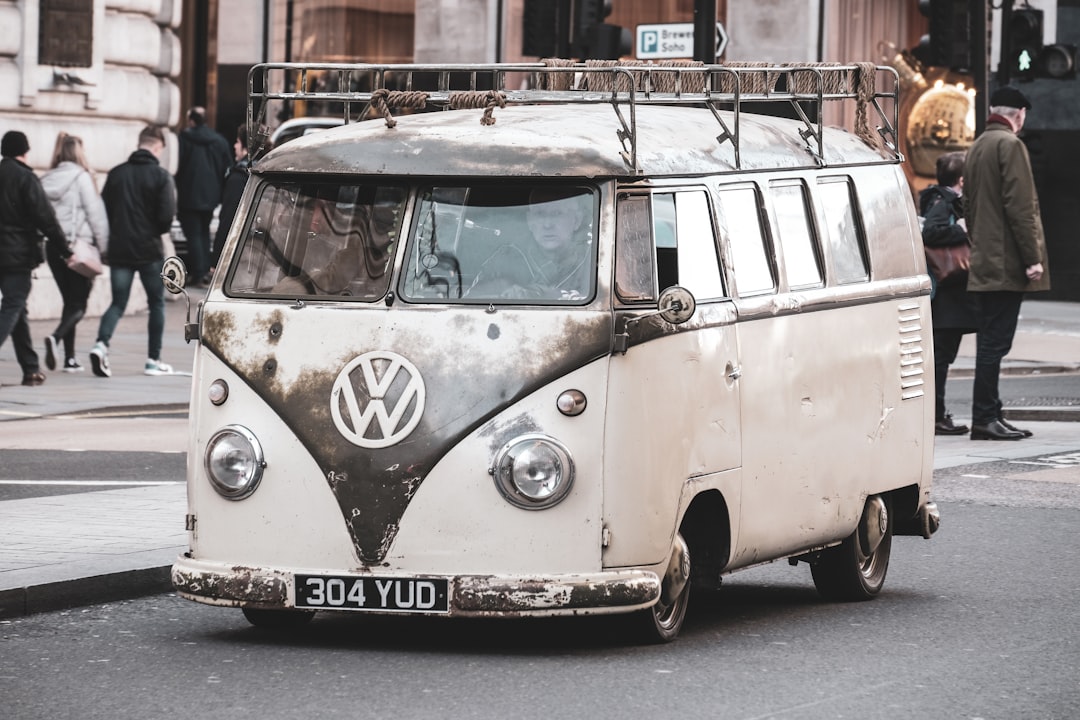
104 68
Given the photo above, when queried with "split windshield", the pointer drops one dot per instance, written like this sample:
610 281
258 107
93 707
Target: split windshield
468 244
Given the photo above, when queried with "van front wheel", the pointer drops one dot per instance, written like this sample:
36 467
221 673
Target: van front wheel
662 622
855 569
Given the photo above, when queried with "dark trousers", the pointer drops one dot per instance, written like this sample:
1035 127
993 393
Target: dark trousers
75 290
946 345
15 288
998 313
196 227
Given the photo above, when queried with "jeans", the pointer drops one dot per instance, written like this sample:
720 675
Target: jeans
196 227
946 345
15 288
122 278
998 314
75 290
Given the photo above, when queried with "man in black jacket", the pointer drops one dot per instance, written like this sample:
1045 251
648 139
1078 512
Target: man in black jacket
25 212
200 174
140 199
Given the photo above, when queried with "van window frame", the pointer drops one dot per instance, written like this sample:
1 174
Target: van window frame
654 265
858 226
765 233
813 234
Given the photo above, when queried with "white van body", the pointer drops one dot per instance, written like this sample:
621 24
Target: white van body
731 366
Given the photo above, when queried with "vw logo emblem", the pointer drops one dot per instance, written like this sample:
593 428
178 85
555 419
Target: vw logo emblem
382 387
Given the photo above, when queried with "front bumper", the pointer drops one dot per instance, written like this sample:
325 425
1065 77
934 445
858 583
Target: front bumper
616 591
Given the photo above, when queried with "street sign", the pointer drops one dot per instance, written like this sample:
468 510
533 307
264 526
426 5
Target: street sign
672 40
721 39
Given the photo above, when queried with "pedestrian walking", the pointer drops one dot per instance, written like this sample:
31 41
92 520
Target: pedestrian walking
231 193
200 174
1008 251
140 200
25 213
952 308
81 213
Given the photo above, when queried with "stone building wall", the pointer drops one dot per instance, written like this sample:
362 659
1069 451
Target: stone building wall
129 83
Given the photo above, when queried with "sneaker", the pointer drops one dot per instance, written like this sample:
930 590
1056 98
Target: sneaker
50 352
99 360
156 367
72 365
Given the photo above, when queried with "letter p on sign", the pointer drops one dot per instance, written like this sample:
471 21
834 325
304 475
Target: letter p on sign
650 41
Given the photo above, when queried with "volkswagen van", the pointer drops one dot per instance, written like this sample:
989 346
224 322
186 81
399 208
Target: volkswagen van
566 350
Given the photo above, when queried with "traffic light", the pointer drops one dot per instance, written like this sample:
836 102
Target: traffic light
1025 41
948 43
595 39
1057 62
540 28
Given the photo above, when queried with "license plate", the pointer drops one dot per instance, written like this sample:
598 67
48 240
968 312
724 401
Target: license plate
343 592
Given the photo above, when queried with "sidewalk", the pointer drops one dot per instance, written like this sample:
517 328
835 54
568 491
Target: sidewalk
77 549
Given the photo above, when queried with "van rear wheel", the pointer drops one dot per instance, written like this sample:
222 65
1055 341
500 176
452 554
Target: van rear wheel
277 619
855 570
662 622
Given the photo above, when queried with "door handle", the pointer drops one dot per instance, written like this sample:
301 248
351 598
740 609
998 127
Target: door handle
734 372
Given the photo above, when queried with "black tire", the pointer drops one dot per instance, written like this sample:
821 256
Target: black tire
849 572
278 619
663 621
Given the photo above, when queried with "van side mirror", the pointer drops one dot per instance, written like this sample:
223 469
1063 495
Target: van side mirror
675 306
174 275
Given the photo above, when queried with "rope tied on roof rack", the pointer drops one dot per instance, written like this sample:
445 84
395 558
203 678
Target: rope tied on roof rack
864 95
476 99
382 100
555 80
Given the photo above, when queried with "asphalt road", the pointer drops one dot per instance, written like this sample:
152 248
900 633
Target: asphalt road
977 623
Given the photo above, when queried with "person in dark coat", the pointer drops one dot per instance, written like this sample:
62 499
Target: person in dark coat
231 193
25 212
140 200
953 310
1008 251
200 174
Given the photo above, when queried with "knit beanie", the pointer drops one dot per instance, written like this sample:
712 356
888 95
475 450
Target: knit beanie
14 144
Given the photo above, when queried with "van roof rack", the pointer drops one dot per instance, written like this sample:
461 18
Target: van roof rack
362 91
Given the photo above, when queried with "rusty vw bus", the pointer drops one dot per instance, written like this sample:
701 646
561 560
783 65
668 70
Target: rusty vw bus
571 349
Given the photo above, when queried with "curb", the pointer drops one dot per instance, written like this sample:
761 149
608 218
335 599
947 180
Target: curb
1047 414
65 594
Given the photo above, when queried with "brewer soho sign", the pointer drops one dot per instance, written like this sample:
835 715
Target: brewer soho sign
673 40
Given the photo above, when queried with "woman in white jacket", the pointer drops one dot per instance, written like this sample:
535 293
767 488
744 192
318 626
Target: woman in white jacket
81 213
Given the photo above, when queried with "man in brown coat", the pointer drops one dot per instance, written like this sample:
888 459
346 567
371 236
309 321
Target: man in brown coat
1008 250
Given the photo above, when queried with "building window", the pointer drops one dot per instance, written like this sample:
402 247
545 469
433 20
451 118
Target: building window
66 36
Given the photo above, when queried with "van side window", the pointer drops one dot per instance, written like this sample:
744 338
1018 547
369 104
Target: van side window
843 231
679 250
319 239
740 210
795 232
635 265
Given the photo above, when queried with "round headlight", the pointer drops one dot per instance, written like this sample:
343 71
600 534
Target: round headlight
533 471
234 462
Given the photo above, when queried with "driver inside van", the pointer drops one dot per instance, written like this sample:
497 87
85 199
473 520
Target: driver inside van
555 265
